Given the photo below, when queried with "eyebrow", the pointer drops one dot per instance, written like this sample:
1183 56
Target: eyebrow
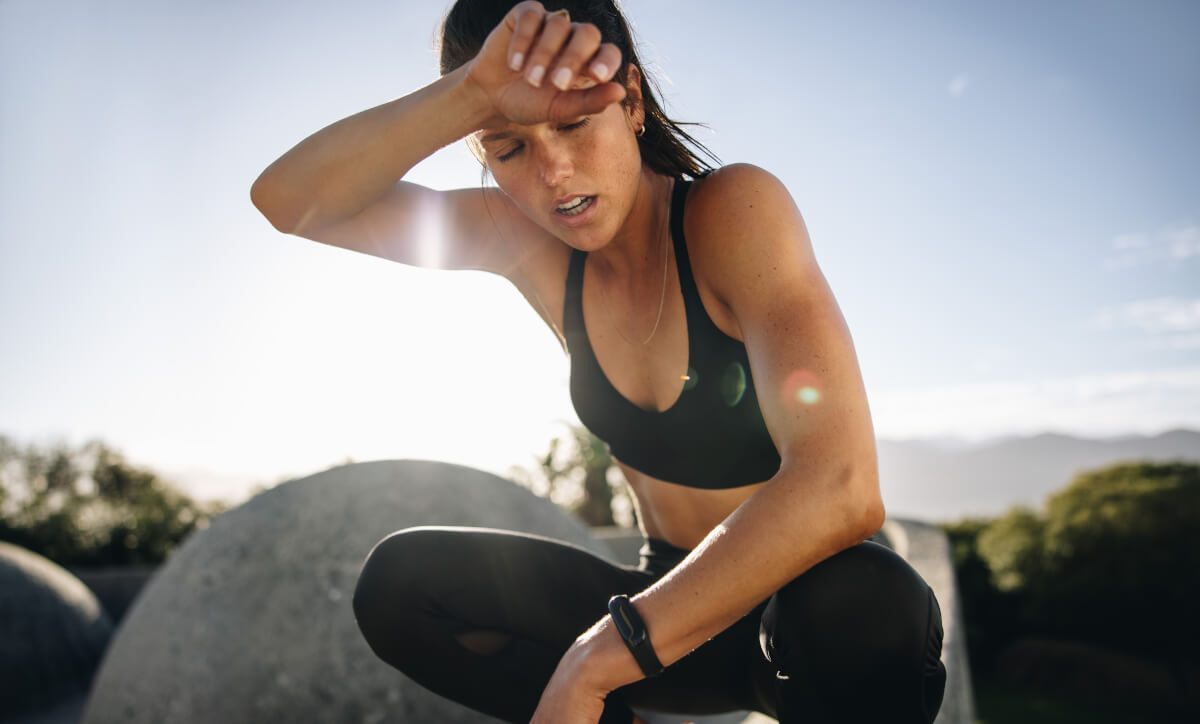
497 136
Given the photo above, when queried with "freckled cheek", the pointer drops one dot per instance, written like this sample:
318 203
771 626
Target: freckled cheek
515 185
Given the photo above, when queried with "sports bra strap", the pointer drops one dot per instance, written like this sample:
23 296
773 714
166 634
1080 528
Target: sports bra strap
687 283
573 303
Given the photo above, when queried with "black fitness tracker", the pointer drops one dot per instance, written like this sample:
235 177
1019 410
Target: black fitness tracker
633 631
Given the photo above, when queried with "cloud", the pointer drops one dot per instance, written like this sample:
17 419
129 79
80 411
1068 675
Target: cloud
958 85
1171 244
1145 401
1183 242
1182 341
1163 315
1126 242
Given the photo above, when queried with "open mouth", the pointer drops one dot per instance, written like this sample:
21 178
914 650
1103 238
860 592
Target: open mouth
575 206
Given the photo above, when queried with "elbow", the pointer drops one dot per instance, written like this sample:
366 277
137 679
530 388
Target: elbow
864 512
263 195
871 515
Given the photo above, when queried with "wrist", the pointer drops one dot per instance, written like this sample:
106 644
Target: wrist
478 106
603 659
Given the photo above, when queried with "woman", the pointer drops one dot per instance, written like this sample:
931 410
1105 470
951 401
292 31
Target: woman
706 349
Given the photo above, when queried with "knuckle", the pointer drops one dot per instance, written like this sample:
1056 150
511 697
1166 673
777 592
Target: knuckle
520 10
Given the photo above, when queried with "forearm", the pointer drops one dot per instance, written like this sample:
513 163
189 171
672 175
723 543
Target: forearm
342 168
780 532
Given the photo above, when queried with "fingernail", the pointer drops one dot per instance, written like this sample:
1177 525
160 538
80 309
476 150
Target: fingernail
562 78
535 76
600 71
517 60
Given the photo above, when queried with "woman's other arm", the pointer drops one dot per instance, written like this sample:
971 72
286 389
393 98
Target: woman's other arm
749 243
754 250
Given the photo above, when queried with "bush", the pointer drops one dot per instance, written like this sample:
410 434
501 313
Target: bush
1111 561
1121 561
89 507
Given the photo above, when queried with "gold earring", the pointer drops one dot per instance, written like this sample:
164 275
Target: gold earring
641 131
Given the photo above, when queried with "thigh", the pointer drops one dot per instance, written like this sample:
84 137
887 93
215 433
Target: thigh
421 590
486 579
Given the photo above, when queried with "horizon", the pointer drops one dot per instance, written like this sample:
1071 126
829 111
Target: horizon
235 488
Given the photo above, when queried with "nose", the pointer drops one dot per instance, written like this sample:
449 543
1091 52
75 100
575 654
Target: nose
554 163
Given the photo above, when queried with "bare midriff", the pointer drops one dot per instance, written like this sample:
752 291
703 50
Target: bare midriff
680 515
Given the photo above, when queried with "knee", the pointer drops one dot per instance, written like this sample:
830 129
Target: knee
866 626
387 596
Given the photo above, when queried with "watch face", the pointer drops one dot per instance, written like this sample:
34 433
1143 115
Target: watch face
621 619
632 632
629 625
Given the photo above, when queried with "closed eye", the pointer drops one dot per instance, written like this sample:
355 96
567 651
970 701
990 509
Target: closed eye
569 127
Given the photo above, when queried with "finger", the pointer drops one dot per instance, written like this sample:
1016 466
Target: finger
585 40
525 19
604 64
555 30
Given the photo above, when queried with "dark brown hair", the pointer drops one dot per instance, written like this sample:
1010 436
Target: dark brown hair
665 146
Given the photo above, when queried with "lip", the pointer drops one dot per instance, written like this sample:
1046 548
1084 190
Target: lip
571 197
580 219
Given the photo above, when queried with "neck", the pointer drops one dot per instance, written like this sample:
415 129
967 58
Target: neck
635 253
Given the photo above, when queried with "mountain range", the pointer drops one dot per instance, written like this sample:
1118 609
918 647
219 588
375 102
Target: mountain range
946 480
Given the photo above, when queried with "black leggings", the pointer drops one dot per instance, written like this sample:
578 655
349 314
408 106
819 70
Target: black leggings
482 617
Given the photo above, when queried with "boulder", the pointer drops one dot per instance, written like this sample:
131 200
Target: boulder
53 632
251 621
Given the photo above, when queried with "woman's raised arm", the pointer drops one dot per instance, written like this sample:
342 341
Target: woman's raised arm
342 186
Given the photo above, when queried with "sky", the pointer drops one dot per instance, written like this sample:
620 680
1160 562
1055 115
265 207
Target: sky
1005 198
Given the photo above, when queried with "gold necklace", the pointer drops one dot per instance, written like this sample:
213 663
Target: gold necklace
661 299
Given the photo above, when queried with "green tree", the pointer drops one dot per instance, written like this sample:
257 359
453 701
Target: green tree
1013 546
89 506
1112 561
1122 564
578 474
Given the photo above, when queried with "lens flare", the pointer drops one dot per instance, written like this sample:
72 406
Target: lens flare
431 233
733 384
802 386
691 379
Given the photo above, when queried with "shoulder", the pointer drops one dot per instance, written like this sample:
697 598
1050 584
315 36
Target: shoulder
742 227
739 182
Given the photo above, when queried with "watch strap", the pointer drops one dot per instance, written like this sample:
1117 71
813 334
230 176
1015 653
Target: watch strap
633 632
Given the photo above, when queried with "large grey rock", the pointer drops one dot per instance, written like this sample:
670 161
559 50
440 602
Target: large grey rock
53 632
250 621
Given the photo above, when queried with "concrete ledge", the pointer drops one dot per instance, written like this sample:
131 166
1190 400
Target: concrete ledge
926 549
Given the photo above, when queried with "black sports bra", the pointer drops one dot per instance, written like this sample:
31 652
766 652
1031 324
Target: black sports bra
714 435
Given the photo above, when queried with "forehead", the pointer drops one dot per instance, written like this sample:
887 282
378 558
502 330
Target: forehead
500 130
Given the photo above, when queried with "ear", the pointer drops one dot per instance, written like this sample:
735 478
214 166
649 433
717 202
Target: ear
633 95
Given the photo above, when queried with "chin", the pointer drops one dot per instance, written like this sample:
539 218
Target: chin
588 243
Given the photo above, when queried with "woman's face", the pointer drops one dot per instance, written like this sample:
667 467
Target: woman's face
576 179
